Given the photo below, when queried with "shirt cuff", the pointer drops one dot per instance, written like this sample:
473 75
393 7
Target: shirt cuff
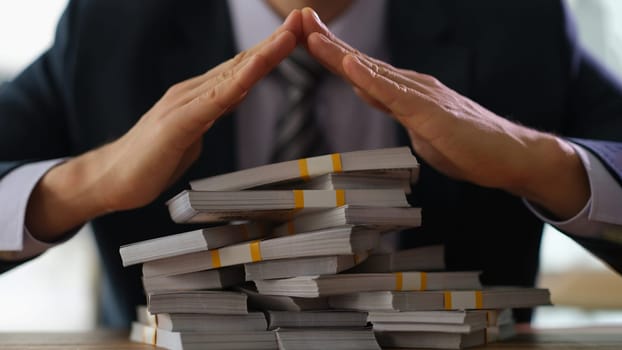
600 213
16 243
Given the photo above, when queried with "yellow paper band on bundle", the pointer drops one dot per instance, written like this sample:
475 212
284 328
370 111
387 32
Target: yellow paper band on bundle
255 251
319 198
447 300
399 281
240 254
315 166
215 258
463 300
340 197
412 280
299 199
336 158
303 168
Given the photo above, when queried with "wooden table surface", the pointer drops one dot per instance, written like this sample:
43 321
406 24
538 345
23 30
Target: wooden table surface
574 339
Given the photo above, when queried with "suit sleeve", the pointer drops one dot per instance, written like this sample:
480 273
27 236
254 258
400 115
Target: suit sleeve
593 115
34 125
601 231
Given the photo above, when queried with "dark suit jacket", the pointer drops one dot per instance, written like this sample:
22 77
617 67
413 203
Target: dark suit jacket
113 59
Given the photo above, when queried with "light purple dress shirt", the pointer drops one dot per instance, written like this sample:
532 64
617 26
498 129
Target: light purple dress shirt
15 241
602 214
340 112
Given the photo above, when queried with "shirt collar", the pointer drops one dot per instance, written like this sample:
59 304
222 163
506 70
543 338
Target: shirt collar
362 25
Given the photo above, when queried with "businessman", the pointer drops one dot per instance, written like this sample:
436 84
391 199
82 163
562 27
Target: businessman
129 105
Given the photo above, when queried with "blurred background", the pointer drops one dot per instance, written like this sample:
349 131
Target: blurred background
57 291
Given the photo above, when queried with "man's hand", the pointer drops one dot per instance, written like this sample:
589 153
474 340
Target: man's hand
133 170
456 135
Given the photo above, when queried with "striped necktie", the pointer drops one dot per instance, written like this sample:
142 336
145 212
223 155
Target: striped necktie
297 134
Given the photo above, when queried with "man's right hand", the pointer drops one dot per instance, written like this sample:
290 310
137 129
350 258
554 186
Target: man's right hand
133 170
456 135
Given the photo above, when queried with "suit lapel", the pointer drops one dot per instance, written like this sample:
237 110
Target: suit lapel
202 38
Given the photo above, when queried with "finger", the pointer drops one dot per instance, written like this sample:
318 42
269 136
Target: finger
331 54
327 47
271 55
311 23
412 79
292 24
398 98
215 99
273 52
328 52
424 80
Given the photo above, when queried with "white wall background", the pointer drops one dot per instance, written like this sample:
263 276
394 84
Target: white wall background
57 290
26 28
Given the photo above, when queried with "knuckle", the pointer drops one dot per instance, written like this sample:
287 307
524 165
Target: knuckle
431 80
159 128
240 56
401 87
376 68
175 89
224 75
212 93
384 71
212 96
373 73
208 96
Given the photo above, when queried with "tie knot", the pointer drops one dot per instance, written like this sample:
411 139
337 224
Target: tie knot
301 70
